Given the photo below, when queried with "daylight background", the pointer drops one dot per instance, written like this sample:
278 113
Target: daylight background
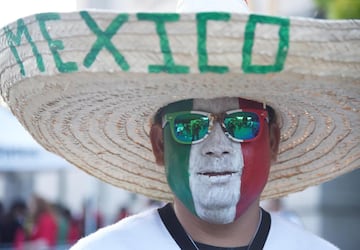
331 210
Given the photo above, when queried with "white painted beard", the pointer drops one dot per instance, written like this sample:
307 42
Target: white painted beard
215 168
215 183
215 198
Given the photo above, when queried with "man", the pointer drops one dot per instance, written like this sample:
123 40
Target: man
219 89
217 180
214 170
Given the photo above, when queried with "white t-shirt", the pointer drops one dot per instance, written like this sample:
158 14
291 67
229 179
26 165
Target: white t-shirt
146 231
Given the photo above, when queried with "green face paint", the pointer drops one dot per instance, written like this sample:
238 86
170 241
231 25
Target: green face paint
177 159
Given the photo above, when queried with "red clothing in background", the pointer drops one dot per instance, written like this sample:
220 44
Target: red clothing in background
45 228
74 233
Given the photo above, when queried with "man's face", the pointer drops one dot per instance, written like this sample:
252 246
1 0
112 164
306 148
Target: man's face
218 178
215 169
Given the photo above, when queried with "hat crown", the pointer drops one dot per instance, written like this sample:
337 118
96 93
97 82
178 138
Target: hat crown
235 6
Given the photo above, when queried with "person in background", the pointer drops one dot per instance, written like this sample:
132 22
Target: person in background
122 213
62 222
12 229
43 231
75 227
69 229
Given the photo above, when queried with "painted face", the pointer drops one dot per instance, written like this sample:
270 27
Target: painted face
217 179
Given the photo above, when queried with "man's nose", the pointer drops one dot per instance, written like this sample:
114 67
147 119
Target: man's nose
217 144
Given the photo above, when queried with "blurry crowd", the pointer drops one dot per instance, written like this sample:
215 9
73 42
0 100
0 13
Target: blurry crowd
38 225
41 225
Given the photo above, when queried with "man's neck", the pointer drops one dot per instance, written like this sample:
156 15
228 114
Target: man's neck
237 233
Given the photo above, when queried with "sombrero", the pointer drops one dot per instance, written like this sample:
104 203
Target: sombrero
86 85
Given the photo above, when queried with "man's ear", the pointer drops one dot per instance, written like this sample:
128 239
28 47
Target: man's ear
157 143
274 140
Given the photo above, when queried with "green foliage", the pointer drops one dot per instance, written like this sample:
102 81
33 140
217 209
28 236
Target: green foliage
322 4
339 9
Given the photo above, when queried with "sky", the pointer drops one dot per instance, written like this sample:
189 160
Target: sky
15 9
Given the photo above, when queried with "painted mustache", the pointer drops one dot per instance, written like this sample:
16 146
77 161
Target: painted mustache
222 173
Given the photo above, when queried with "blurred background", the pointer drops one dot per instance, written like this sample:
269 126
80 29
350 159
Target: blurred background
34 180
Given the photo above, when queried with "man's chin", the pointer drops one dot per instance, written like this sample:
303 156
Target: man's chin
217 214
217 196
215 204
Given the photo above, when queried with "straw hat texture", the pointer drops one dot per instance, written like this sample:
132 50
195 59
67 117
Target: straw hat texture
86 85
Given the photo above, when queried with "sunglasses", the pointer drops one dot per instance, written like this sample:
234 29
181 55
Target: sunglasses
190 127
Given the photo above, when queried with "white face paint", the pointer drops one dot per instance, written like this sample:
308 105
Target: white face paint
215 168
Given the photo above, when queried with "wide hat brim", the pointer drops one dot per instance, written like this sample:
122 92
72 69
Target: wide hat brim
86 85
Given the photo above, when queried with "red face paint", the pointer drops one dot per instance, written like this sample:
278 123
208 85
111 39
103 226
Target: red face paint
257 159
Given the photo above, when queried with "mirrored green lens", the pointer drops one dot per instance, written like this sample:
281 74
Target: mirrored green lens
242 125
190 127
